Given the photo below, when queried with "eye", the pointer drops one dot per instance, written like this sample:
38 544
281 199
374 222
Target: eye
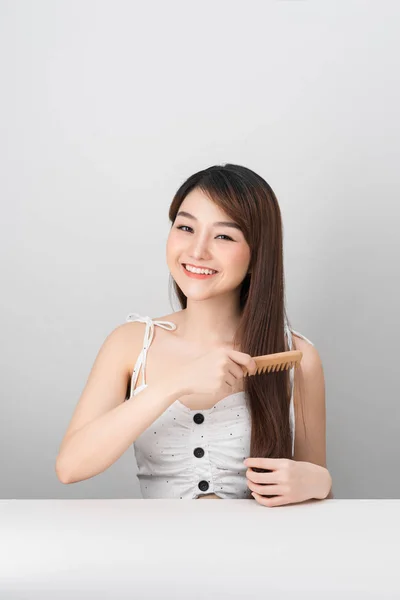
221 234
225 236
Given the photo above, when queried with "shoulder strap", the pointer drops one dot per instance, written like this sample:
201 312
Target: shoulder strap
302 336
147 339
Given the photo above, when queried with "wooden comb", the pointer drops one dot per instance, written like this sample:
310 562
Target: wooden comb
280 361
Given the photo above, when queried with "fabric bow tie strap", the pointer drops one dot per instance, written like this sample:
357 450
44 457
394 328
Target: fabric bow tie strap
148 338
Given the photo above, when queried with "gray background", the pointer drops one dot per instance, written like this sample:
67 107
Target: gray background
106 107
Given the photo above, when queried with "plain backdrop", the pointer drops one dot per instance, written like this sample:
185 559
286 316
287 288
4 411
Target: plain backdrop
105 109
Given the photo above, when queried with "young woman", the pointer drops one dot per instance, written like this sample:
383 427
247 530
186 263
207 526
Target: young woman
199 426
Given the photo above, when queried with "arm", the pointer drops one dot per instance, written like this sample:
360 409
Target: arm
103 425
310 413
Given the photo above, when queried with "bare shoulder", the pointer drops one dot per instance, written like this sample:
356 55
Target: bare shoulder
132 335
311 358
125 333
175 317
128 341
309 380
116 353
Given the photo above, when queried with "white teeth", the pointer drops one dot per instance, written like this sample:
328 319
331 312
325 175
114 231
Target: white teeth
199 271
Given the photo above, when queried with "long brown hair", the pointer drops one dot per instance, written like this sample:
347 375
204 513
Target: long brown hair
251 203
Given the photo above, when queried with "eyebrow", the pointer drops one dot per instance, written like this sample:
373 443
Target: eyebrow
183 213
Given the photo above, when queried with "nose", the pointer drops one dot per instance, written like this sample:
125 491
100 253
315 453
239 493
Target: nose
199 247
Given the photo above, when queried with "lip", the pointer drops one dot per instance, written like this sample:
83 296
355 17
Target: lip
196 275
198 266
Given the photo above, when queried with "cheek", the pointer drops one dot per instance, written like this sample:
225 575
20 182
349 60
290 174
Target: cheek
240 257
173 244
173 250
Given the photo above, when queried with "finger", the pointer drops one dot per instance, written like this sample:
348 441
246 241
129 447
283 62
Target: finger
230 379
236 370
265 463
245 371
251 365
267 478
270 502
243 359
267 490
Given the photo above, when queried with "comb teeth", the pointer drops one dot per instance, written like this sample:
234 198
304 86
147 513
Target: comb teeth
280 361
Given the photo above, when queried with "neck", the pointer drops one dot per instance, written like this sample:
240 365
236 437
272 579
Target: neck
210 322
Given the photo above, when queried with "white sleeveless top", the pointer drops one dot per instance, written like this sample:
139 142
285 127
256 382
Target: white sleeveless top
188 453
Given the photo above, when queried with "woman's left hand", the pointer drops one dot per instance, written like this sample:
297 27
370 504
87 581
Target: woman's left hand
290 481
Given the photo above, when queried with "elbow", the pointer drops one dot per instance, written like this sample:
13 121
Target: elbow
330 496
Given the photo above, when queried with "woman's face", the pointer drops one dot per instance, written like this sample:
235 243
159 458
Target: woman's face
199 242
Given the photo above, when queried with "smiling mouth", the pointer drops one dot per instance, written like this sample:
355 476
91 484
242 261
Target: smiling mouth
194 272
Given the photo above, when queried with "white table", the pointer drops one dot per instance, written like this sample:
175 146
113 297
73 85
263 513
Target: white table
142 549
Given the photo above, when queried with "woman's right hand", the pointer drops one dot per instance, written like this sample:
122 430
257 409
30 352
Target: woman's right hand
216 372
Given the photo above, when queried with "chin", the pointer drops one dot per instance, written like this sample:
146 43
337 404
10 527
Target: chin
196 295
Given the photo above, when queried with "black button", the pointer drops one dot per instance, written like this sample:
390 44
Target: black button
198 452
203 485
198 418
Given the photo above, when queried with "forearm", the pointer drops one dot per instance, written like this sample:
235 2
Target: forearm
99 444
